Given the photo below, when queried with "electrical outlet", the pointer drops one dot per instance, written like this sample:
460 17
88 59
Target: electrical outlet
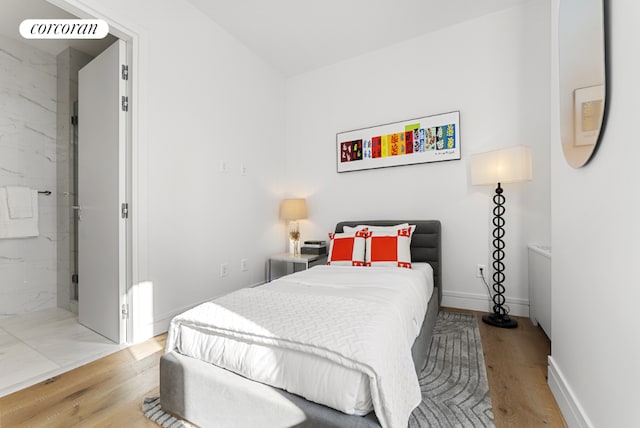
224 269
244 265
481 270
243 169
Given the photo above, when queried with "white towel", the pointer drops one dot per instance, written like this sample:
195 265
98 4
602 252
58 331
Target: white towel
19 201
18 227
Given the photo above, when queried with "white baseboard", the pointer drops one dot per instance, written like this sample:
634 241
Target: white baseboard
480 302
571 409
162 321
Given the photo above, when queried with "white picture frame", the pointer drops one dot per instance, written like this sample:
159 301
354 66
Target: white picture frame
391 145
588 107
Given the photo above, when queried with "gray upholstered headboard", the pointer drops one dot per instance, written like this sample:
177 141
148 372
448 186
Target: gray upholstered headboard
425 243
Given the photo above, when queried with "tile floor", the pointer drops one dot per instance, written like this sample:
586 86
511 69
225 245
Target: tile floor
39 345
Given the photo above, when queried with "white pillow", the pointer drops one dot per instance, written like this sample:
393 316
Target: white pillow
376 228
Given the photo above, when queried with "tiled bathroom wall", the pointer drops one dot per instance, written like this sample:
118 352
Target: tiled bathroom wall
28 158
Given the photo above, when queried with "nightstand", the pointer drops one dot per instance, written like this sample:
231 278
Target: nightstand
307 260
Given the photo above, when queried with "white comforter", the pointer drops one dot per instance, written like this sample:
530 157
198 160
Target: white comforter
363 319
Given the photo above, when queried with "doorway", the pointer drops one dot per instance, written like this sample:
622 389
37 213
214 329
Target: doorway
43 322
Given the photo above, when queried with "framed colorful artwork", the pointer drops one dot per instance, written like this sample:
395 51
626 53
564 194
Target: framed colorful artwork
426 139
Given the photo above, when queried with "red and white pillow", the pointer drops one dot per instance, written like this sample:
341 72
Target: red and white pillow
347 249
389 248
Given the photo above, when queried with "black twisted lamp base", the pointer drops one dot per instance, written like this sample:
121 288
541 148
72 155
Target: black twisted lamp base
500 316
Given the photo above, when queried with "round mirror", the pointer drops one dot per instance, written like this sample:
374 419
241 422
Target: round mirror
581 77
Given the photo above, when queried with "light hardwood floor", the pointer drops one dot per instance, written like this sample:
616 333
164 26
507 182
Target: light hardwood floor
516 362
109 392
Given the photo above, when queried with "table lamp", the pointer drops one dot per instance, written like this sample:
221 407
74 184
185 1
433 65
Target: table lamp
292 210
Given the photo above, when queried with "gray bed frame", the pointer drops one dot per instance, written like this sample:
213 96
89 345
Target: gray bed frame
209 396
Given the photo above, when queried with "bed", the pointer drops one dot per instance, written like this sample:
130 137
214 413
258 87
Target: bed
193 388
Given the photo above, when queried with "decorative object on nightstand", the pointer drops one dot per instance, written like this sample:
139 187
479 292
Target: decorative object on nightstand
509 165
314 247
293 210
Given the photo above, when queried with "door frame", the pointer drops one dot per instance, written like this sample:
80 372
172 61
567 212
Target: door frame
133 171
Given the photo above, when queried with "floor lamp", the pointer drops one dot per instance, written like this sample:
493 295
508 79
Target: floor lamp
509 165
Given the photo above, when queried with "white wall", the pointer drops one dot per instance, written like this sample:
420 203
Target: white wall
494 70
203 98
594 370
28 158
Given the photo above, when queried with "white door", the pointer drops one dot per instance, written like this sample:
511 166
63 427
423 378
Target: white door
101 191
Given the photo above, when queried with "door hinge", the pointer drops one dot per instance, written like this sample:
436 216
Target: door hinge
125 311
74 278
125 210
125 72
125 103
74 120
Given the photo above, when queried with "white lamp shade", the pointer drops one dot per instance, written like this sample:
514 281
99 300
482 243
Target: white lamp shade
509 165
293 209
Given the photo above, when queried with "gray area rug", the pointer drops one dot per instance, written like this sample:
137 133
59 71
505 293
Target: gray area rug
152 410
455 391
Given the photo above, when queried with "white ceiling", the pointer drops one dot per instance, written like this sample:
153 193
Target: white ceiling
300 35
293 35
13 12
